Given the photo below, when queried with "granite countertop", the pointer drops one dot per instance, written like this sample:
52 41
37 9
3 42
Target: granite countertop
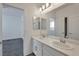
49 41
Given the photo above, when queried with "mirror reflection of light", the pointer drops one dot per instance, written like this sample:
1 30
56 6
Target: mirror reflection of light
52 25
34 17
40 9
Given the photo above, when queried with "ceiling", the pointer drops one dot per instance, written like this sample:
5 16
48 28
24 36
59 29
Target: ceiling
38 4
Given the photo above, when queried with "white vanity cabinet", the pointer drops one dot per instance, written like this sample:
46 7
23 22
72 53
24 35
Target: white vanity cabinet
0 50
48 51
37 48
40 49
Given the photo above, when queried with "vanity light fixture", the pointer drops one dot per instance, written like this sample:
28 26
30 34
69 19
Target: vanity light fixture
45 6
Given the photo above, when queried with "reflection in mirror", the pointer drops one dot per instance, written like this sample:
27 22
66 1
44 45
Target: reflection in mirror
51 26
56 26
43 24
36 24
39 23
40 26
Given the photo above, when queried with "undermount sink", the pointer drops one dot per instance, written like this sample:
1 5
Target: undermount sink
62 45
41 37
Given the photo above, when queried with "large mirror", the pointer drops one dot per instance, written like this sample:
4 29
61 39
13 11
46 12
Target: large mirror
64 22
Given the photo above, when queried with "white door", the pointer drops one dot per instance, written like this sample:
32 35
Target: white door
73 27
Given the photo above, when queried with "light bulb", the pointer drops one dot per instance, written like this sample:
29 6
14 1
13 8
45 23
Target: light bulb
34 17
43 7
40 9
47 5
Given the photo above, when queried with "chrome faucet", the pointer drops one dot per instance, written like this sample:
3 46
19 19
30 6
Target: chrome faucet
62 40
67 37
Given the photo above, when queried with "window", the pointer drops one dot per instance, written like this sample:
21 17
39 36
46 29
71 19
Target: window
12 22
52 24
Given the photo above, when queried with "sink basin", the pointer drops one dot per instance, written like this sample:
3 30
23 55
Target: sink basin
43 38
62 45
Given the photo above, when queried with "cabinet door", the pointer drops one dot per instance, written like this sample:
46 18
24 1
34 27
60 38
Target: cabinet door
47 51
0 50
37 48
73 27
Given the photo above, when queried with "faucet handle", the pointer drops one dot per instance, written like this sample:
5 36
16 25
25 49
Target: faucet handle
67 36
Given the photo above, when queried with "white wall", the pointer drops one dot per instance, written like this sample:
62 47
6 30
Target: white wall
28 29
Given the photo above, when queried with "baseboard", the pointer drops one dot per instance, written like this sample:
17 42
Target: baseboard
31 54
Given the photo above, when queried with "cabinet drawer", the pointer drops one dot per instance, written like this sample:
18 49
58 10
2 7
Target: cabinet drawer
51 51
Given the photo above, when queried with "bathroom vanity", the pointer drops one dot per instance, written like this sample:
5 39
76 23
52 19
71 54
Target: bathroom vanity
48 47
